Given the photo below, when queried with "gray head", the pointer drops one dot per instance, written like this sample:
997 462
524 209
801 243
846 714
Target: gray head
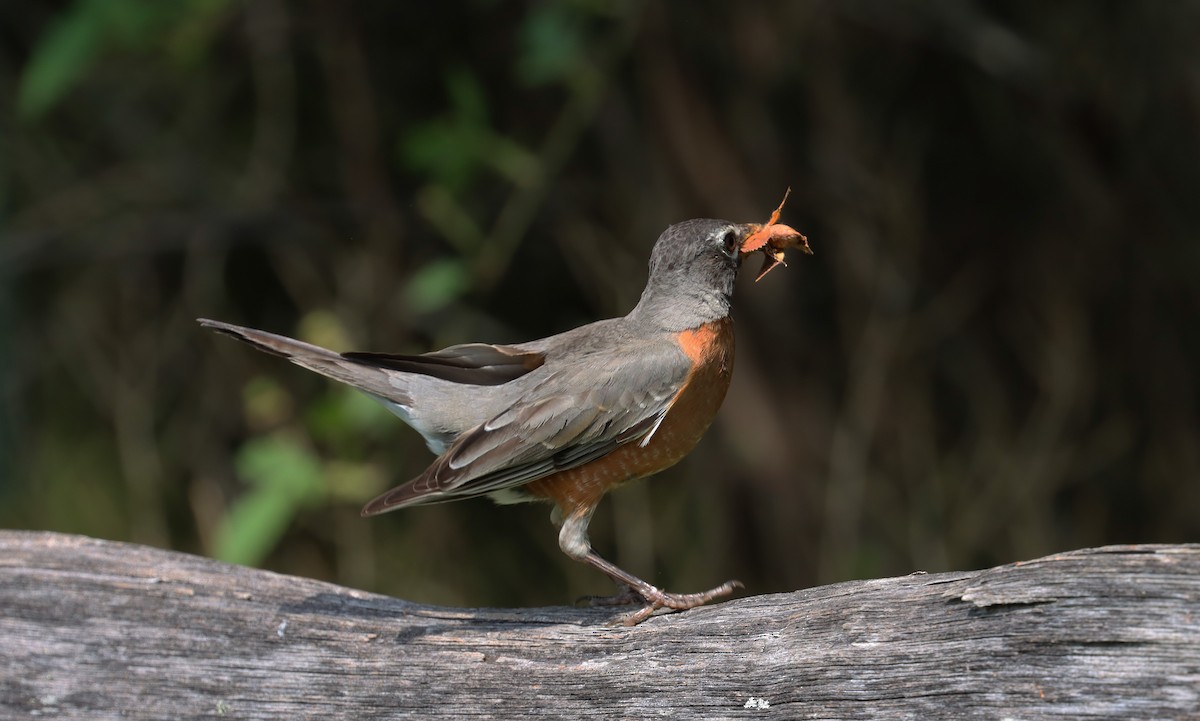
692 270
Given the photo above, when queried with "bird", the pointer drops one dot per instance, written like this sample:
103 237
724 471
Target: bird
568 418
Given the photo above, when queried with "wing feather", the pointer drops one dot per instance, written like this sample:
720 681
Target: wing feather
553 427
472 363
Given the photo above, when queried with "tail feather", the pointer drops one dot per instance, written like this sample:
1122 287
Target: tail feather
388 385
279 345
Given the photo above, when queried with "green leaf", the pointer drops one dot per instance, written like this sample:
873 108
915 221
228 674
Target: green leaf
436 285
552 45
66 50
344 417
252 528
285 477
75 40
280 464
467 98
451 148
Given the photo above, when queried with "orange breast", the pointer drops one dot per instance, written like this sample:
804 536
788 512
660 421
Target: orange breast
711 349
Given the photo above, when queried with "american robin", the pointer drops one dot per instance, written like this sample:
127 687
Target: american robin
566 419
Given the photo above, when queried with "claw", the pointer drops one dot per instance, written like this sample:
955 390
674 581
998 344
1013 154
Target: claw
656 599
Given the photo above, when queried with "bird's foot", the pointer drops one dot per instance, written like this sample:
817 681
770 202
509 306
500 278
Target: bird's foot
637 590
656 599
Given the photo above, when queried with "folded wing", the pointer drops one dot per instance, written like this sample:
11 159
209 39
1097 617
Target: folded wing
553 427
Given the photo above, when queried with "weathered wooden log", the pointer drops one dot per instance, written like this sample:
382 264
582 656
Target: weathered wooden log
101 630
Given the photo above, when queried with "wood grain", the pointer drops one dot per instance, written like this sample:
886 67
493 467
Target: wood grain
94 629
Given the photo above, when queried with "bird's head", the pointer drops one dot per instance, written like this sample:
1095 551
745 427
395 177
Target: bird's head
694 265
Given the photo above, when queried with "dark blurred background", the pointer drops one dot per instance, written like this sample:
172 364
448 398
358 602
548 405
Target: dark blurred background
992 356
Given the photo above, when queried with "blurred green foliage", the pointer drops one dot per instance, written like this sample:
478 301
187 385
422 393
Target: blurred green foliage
553 45
76 41
284 477
990 357
436 285
453 149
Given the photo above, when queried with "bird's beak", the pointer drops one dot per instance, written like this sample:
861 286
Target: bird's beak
772 239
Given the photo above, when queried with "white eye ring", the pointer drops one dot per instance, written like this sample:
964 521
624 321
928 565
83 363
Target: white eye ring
730 241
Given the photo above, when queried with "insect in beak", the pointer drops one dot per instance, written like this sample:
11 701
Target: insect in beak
773 238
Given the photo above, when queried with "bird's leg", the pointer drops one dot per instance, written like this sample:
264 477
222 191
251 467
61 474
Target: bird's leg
573 540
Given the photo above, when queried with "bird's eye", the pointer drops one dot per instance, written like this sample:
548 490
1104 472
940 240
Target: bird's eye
731 241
